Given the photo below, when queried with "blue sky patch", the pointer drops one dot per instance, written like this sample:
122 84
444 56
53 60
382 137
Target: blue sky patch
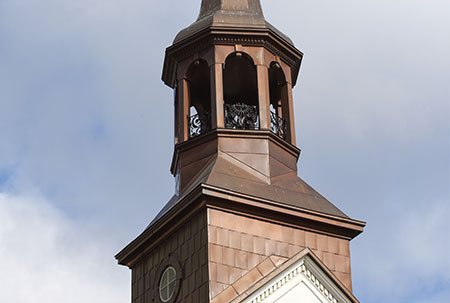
5 176
97 130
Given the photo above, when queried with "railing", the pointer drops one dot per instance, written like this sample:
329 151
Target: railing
237 116
199 124
278 125
241 116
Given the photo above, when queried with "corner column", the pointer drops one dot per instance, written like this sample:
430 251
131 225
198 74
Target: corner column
217 111
263 96
175 116
183 109
288 111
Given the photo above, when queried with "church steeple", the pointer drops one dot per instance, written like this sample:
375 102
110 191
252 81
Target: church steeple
233 74
238 199
232 8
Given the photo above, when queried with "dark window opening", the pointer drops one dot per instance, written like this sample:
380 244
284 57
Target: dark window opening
278 100
199 119
240 92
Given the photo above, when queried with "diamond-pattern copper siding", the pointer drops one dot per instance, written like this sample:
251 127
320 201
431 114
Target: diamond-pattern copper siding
189 243
238 243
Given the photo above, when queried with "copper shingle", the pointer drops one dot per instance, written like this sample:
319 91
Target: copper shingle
234 13
290 190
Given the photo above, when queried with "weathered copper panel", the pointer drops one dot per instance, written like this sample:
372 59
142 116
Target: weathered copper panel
258 162
237 13
235 5
222 52
256 53
283 156
197 152
244 145
294 192
277 168
260 239
227 169
188 172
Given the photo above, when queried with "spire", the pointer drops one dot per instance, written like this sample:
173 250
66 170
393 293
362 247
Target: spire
230 13
231 8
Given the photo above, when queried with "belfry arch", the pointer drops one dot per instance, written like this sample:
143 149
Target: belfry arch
199 88
240 90
279 100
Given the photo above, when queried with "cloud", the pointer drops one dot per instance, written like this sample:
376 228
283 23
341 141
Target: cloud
81 101
371 68
45 257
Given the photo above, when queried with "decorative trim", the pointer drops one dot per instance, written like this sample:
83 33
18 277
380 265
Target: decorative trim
276 286
256 41
266 42
316 282
213 36
306 268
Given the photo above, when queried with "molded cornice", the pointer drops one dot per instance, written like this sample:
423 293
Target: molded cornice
231 35
205 196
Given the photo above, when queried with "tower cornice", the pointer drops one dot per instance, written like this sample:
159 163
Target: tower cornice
265 36
211 197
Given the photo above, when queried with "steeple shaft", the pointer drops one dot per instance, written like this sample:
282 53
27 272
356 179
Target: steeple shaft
242 7
228 13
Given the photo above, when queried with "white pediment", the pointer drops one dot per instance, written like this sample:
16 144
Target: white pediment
304 282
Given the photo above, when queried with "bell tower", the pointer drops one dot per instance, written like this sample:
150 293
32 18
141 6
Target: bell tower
239 206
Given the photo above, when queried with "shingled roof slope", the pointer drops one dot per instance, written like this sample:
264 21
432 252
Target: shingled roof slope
222 172
224 13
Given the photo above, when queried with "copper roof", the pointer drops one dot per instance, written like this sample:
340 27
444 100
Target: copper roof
290 190
242 14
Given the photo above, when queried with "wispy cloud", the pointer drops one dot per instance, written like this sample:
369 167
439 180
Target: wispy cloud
47 258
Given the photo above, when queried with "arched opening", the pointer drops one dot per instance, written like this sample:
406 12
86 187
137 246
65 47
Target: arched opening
240 90
198 76
279 105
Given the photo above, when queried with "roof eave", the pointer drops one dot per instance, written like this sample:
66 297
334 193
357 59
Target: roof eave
329 224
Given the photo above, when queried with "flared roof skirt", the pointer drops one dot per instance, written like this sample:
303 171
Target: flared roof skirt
240 14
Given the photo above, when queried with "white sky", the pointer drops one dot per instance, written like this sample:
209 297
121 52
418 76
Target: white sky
86 137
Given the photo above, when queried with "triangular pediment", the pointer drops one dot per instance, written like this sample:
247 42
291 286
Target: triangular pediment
302 278
303 281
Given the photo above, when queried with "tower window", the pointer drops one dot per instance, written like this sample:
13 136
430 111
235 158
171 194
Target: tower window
167 284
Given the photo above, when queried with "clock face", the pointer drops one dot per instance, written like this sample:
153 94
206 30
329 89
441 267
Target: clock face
167 284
